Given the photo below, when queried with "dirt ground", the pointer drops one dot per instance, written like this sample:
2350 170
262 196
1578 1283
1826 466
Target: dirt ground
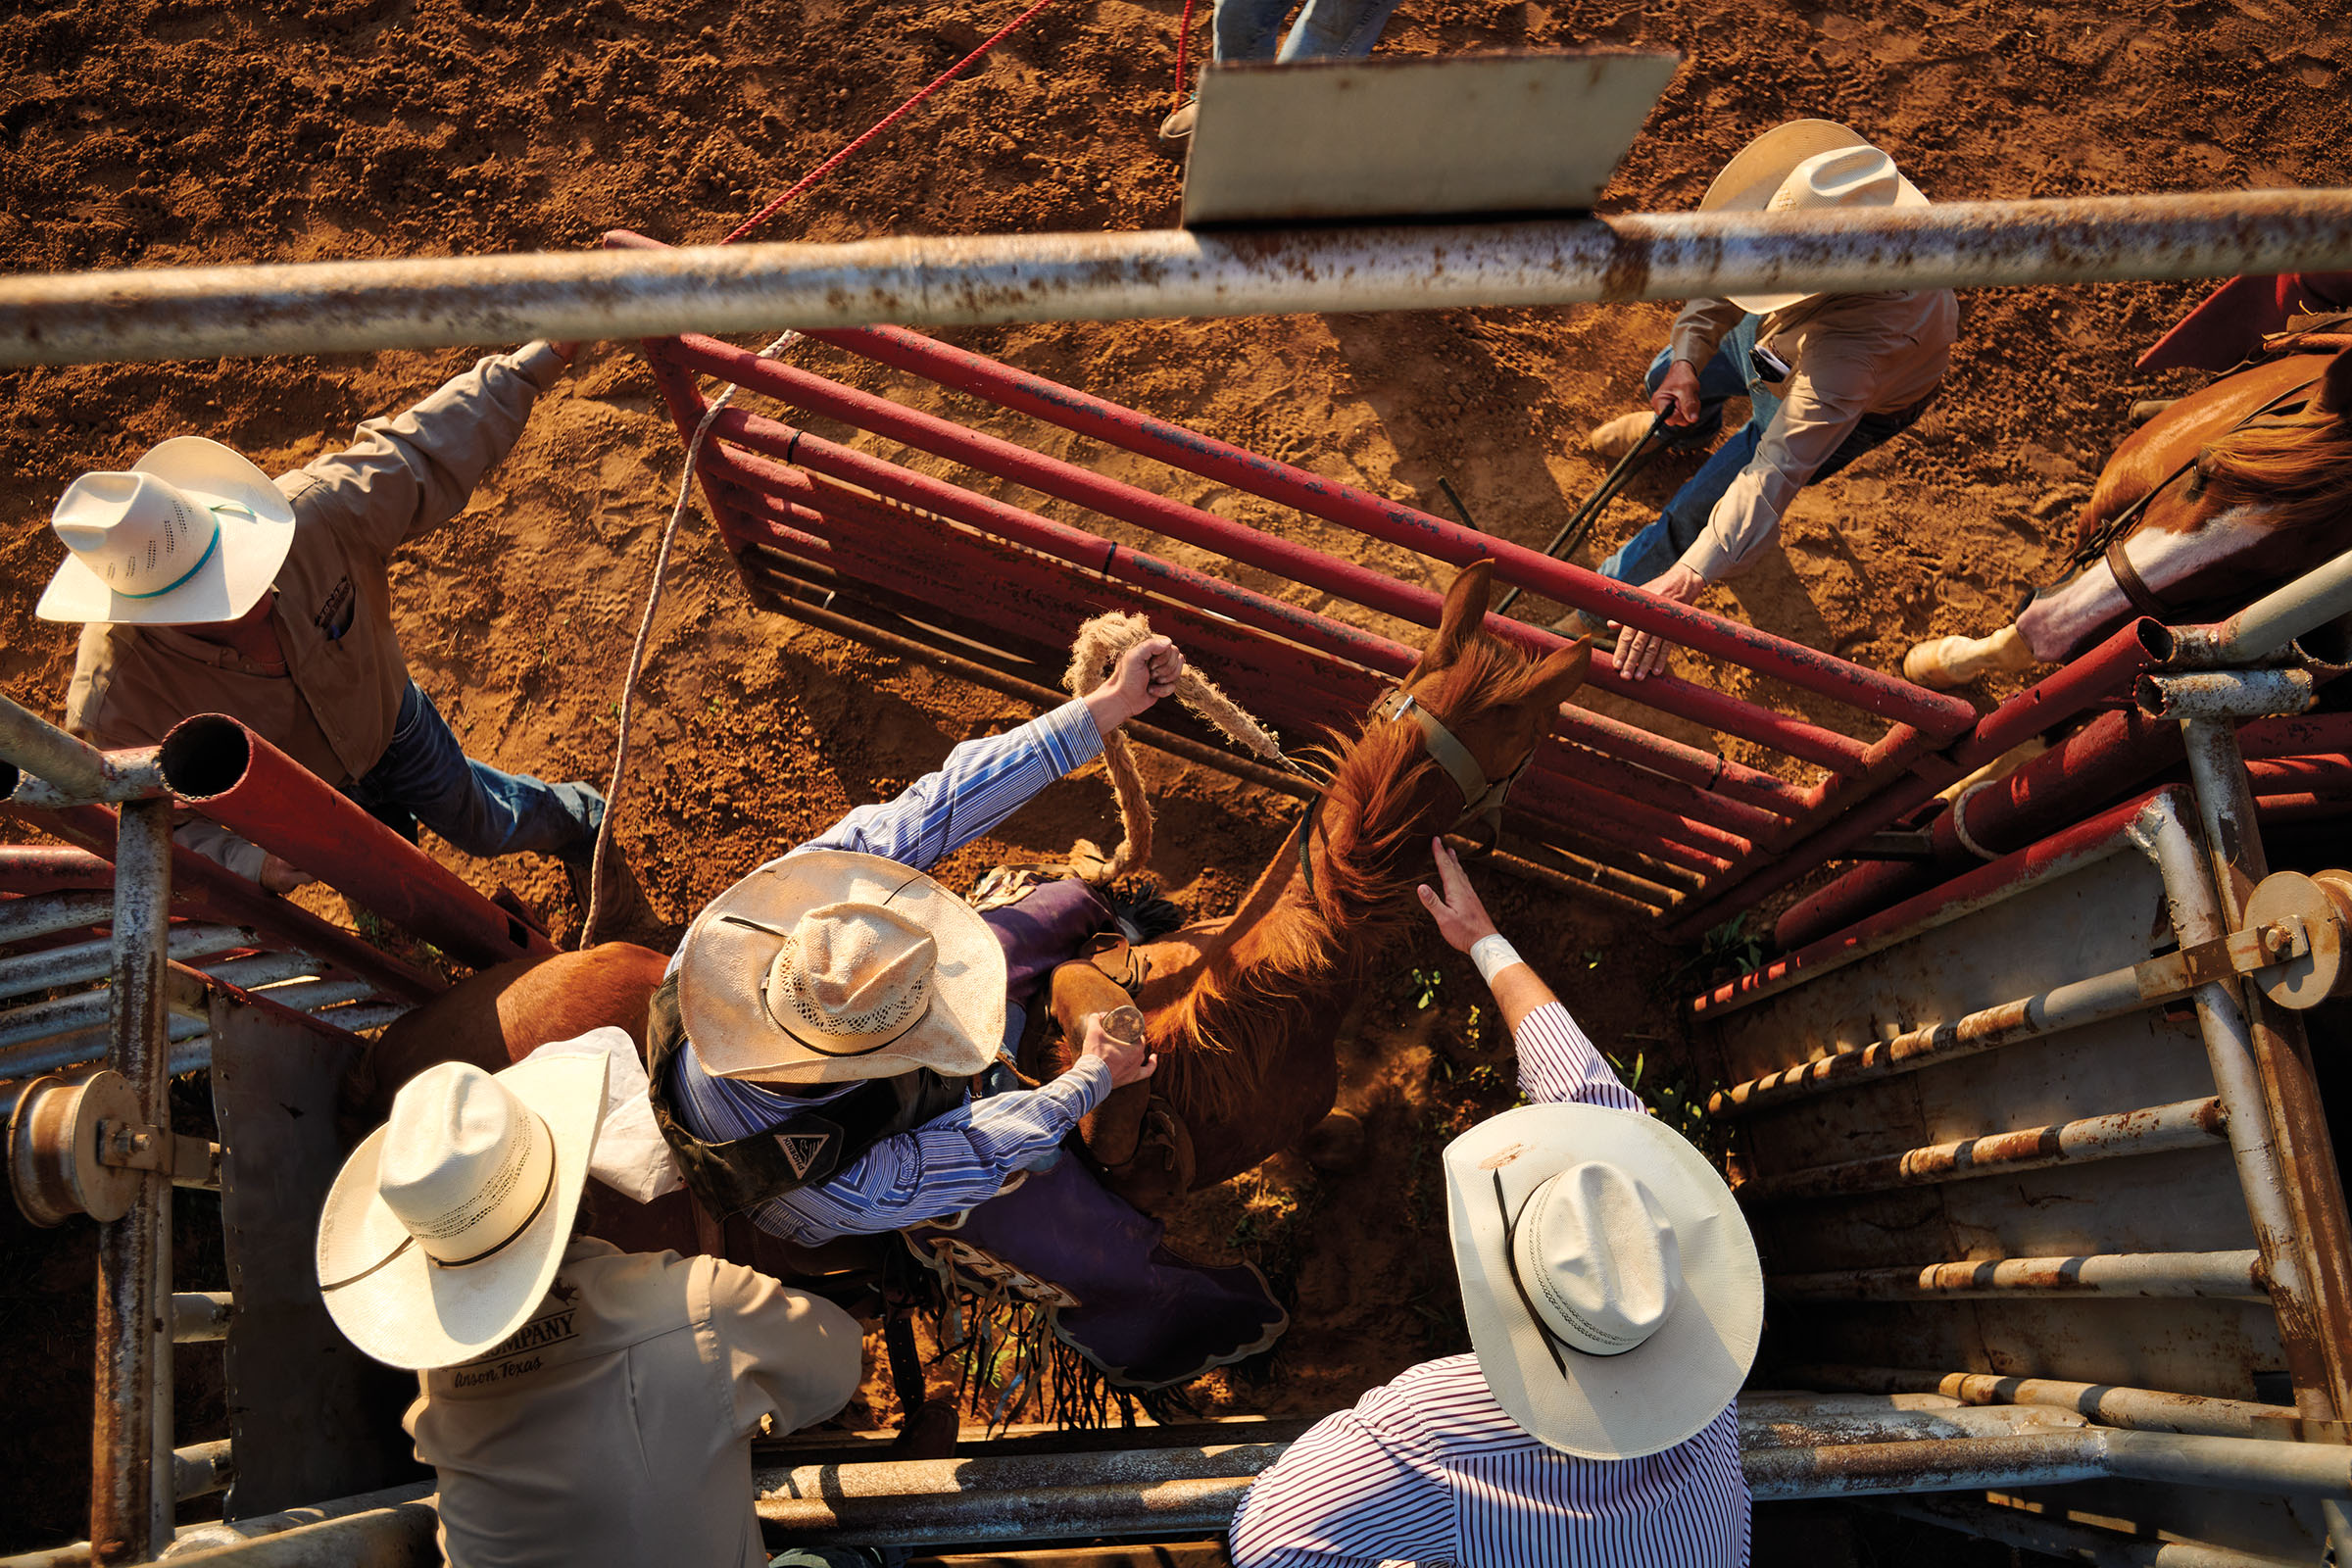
173 133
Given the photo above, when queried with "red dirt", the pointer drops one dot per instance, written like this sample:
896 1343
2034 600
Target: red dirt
173 133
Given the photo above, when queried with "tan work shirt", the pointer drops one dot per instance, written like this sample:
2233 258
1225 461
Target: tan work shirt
615 1426
1849 355
334 707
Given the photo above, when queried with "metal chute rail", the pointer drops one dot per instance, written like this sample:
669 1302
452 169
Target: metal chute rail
1953 1338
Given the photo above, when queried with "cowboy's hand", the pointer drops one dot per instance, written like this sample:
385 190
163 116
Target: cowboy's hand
1642 654
1146 673
1677 396
1461 918
282 878
1130 1061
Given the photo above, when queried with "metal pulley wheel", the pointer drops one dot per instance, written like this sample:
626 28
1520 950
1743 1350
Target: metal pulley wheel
2320 908
54 1140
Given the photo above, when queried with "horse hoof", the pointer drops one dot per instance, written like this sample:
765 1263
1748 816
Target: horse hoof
1336 1145
1930 663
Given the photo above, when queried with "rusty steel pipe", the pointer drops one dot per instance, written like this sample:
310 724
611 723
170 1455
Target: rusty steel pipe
2067 1540
2230 1275
41 766
45 914
2072 1005
132 1499
2140 1409
2231 694
2269 624
35 869
2152 1130
230 774
2302 1226
81 961
326 307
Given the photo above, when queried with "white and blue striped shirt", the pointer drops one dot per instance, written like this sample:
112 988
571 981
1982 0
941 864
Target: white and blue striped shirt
1429 1470
964 1157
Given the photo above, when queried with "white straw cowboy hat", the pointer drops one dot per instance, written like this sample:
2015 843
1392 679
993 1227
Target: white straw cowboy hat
830 965
191 533
1612 1289
1806 166
443 1231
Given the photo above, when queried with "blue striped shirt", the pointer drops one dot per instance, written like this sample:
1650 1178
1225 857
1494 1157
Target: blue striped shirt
1429 1470
964 1157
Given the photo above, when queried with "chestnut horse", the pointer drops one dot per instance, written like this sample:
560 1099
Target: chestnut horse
1244 1010
2234 502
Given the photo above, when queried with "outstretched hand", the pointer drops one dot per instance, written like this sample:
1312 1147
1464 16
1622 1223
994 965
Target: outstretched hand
1642 654
281 877
1146 673
1461 918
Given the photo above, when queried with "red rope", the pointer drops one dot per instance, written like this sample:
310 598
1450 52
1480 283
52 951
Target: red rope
884 123
1184 39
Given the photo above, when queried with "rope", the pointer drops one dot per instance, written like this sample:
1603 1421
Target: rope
644 631
1093 657
694 449
883 124
1184 41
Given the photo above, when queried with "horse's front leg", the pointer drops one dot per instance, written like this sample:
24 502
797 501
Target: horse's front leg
1948 661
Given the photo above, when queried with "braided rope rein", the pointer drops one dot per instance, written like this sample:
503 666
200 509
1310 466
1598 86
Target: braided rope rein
1094 656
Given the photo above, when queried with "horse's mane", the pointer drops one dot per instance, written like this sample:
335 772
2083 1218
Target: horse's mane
2297 467
1385 797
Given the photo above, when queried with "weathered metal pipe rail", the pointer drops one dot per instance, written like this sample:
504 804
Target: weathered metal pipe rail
2150 1130
334 306
2229 1276
2067 1540
2137 1409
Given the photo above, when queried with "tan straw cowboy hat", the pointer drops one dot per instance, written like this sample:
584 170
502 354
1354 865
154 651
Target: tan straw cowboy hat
830 965
443 1231
1803 166
191 533
1612 1289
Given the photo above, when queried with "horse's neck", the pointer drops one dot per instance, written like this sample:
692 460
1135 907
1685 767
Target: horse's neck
1284 934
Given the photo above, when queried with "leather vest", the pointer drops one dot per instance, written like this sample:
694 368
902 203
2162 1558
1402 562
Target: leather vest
798 1151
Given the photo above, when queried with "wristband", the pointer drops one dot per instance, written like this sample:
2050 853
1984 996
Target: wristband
1493 954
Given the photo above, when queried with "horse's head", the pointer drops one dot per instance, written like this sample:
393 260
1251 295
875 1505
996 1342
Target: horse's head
1496 699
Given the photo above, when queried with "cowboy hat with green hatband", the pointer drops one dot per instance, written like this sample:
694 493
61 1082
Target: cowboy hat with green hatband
1612 1289
830 965
190 534
1807 166
445 1228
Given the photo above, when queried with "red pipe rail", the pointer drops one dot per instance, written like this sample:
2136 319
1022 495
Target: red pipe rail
230 774
805 514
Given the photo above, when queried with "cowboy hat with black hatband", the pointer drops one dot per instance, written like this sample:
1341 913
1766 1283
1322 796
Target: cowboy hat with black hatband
444 1229
191 534
830 965
1612 1289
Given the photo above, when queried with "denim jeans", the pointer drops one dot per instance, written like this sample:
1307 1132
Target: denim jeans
1326 30
1725 376
425 776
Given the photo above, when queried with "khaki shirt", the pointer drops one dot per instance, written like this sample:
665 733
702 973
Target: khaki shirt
1849 355
334 710
615 1426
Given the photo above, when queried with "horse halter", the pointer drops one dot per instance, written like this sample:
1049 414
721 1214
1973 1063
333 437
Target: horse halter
1481 799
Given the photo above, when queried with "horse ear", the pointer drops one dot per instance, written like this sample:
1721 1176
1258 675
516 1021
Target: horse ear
1465 610
2335 386
1562 671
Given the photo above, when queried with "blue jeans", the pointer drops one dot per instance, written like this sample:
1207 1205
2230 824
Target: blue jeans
1327 30
1725 376
425 776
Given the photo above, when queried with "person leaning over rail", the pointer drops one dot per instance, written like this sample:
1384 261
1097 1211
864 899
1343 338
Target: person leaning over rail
1614 1300
809 1049
579 1404
207 587
1828 377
